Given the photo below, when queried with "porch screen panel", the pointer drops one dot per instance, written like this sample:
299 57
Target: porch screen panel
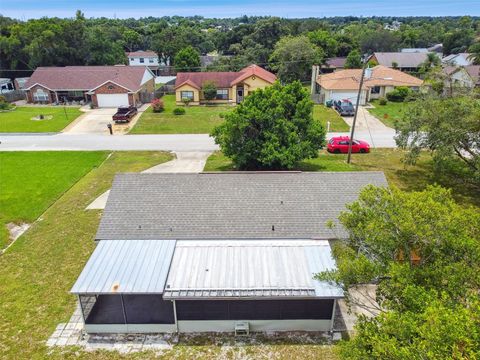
320 309
148 309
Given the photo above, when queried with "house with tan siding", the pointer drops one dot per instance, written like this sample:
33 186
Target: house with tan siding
103 86
232 87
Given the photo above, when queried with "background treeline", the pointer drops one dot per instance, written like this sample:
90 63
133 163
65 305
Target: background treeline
25 45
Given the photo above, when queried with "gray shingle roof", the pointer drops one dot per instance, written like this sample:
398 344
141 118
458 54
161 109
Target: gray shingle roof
229 205
403 59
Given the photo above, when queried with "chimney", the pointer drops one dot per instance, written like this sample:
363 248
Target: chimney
368 73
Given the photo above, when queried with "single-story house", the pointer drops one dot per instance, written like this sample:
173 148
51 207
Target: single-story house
462 76
217 252
379 81
461 59
232 87
403 61
103 86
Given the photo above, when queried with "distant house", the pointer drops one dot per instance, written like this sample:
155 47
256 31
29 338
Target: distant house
403 61
379 81
20 83
333 64
144 58
461 59
462 76
182 253
6 85
232 87
103 86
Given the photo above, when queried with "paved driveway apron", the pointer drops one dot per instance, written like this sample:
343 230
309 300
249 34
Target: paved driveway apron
92 122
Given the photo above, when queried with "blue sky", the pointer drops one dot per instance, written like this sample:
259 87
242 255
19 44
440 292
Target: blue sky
24 9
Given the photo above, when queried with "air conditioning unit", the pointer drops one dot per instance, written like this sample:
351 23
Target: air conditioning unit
242 328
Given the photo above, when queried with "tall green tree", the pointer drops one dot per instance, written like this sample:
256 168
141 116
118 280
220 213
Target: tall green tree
272 129
187 60
449 128
293 58
474 51
354 60
421 251
324 40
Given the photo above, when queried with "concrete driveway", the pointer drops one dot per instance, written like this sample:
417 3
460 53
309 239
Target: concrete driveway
366 121
93 121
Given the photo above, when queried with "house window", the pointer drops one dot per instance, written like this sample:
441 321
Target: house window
150 60
222 94
142 60
75 93
132 59
40 95
186 95
375 90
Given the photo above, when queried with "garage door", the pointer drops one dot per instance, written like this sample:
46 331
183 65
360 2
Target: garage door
348 95
112 100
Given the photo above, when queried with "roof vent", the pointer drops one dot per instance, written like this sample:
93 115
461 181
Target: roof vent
273 227
139 227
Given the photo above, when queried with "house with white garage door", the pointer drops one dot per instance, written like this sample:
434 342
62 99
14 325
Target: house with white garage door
379 80
103 86
217 252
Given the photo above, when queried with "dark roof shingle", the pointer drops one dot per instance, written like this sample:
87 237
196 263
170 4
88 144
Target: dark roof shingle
229 205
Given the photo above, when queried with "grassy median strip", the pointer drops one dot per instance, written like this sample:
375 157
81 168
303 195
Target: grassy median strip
27 118
32 181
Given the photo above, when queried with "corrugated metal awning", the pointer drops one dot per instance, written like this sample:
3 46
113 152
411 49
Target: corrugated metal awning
250 269
126 267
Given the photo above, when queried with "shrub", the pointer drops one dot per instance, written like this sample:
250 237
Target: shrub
399 94
382 101
179 111
209 90
158 105
4 105
186 101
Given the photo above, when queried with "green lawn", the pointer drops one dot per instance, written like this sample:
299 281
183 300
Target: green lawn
37 272
202 119
389 161
197 120
32 181
20 119
389 113
324 114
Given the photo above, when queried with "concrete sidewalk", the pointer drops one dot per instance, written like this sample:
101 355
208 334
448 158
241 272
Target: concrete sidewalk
185 162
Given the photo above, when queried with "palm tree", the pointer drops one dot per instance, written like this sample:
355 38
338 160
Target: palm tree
475 53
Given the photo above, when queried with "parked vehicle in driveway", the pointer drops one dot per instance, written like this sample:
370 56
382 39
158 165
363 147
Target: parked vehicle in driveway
344 107
124 114
339 145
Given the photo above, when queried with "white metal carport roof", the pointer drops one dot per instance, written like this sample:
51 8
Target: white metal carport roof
250 269
126 267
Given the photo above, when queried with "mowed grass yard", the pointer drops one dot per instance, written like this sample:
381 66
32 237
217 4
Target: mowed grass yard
324 114
389 113
408 178
202 119
31 181
197 119
20 119
37 272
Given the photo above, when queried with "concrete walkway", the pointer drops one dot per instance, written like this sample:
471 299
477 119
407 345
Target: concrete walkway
185 162
366 121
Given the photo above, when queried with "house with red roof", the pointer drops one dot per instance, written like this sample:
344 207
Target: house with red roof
232 87
103 86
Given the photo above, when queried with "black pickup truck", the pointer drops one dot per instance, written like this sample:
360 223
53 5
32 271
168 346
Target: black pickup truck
124 114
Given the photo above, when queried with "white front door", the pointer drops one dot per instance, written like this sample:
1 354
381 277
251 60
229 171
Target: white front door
112 100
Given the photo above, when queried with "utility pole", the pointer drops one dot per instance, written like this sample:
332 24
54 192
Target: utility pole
350 143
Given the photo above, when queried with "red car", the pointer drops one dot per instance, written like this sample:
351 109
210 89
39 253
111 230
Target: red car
339 145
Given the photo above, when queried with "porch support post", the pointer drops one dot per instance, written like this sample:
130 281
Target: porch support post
332 321
175 314
81 308
123 310
56 96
